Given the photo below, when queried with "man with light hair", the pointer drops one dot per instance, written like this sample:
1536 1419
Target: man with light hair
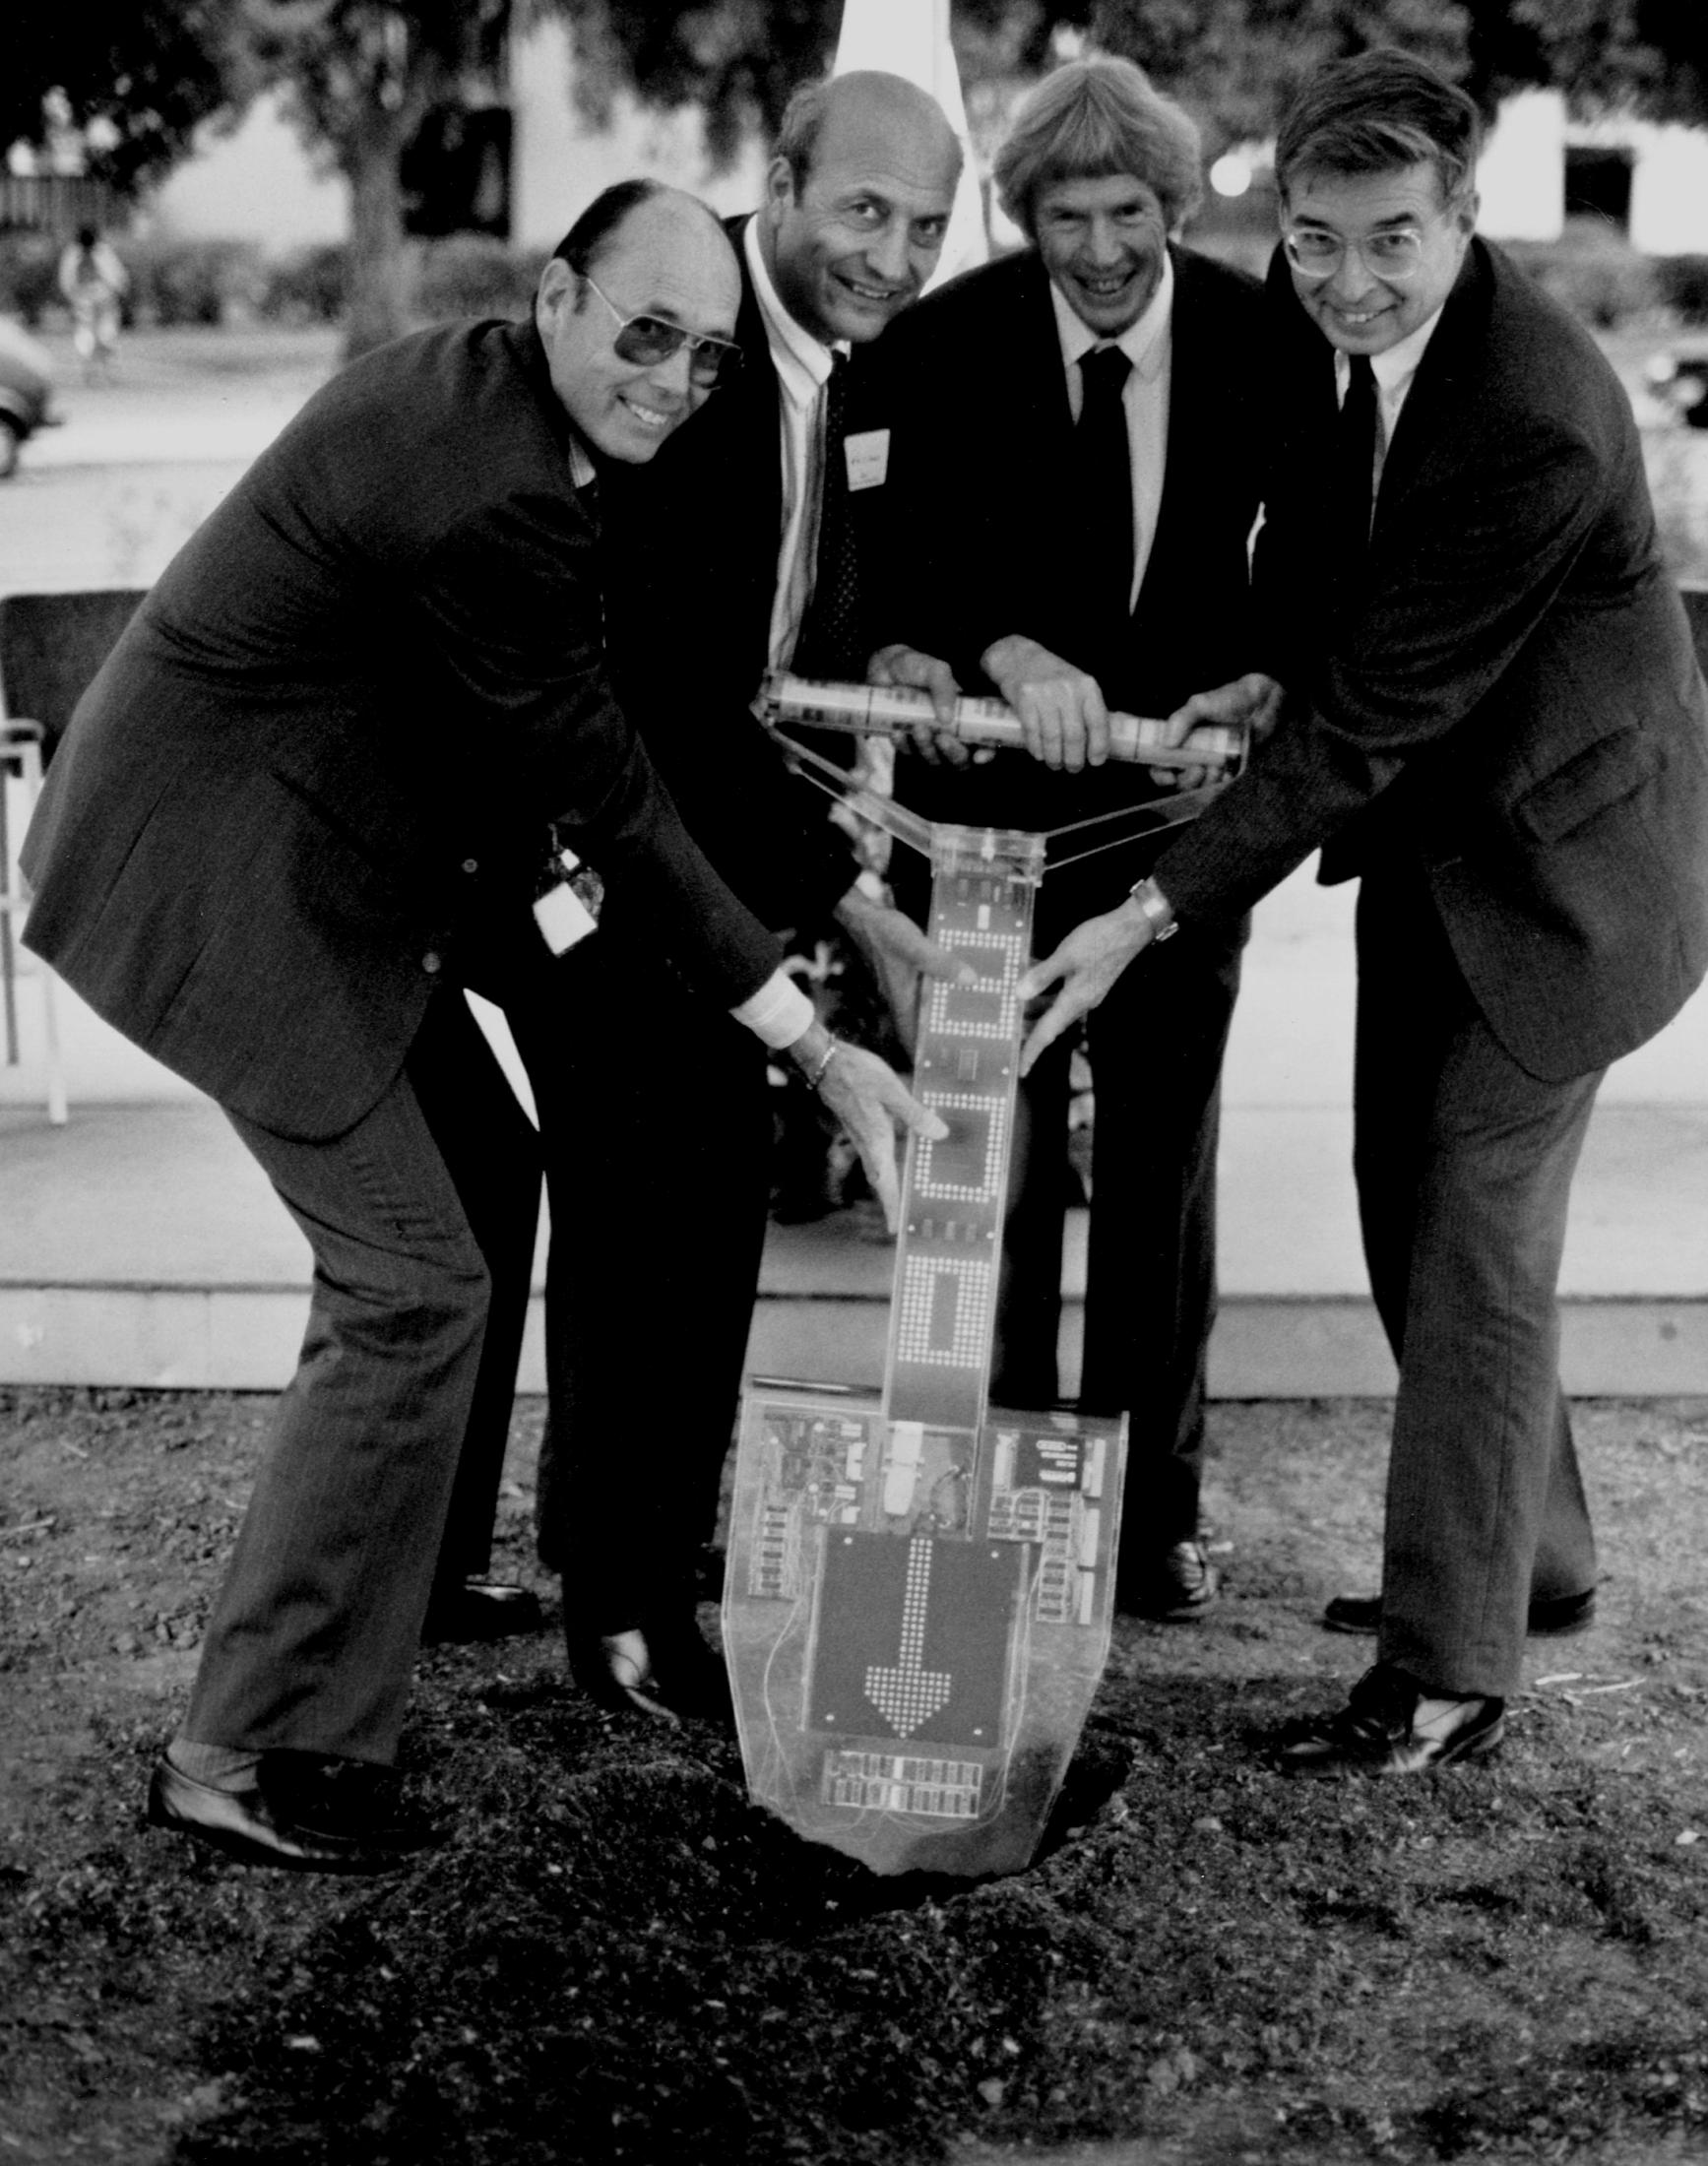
1075 476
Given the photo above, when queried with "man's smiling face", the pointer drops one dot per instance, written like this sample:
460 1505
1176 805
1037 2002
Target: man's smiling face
1358 310
853 242
668 259
1104 242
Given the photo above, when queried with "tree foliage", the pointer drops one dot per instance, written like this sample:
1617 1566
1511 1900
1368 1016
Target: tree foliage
359 77
1653 53
133 76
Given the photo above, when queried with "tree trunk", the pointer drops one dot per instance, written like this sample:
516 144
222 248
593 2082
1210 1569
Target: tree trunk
379 260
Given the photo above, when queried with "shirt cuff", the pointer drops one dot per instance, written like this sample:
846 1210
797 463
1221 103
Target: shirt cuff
779 1012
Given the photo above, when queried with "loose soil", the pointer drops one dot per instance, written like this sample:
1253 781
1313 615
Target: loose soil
618 1958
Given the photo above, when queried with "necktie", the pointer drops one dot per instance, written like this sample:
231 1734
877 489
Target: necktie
1353 465
1103 460
832 642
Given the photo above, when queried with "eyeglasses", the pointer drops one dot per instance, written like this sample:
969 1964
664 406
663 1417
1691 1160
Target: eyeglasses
1315 254
649 339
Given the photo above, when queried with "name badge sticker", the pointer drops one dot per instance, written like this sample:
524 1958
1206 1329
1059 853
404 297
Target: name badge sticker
868 458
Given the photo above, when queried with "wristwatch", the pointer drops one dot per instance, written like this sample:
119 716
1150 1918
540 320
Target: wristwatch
1156 908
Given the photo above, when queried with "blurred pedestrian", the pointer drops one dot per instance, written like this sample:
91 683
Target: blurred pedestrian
94 282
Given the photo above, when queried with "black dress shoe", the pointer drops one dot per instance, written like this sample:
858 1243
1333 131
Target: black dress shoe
1377 1732
303 1813
1175 1588
1551 1617
480 1609
666 1670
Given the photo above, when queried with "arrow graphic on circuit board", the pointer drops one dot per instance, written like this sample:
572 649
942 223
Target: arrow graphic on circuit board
909 1695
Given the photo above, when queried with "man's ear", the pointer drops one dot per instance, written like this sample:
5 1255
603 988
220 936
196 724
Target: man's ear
779 188
1469 206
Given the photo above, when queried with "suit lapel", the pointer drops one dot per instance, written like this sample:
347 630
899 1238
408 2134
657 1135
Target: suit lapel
1439 383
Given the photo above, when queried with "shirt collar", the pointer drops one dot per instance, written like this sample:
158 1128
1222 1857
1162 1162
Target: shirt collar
802 362
582 471
1144 342
1394 368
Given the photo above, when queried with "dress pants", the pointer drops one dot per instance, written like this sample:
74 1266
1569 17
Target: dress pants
421 1219
1156 1045
656 1118
1464 1165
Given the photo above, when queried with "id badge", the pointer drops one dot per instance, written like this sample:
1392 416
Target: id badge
868 453
566 909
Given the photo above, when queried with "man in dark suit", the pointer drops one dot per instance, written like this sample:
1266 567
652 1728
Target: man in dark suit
1494 715
1076 541
301 807
736 550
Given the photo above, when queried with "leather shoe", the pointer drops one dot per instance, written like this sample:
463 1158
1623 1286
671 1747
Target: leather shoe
1551 1617
666 1670
1175 1588
303 1813
1376 1733
480 1609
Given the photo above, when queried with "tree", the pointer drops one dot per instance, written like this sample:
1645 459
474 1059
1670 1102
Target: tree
1651 53
131 77
358 78
1233 62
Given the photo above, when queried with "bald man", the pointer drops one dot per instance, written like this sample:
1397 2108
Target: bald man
737 549
299 810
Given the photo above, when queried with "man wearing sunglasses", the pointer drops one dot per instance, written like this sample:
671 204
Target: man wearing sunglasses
1486 705
299 810
733 552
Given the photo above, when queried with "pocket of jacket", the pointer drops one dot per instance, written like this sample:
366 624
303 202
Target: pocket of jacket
1604 774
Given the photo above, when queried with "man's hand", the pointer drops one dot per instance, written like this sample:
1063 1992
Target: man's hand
872 1102
1255 699
900 664
1087 965
1062 710
900 954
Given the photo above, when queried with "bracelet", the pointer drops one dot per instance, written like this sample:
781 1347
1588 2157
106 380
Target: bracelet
822 1066
1158 910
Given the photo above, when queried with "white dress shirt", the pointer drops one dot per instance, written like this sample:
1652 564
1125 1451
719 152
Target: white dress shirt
1149 346
1394 371
803 364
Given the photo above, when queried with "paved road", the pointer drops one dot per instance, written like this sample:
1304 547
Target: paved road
144 456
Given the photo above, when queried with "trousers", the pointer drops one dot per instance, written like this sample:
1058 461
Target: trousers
657 1141
386 1447
1464 1165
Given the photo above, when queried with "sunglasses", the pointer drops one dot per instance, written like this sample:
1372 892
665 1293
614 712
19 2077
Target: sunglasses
649 339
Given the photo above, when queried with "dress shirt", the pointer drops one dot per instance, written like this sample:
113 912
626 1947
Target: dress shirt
1148 345
803 364
1394 372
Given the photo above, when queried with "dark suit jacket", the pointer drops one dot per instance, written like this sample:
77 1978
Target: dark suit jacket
1513 700
985 531
698 531
320 761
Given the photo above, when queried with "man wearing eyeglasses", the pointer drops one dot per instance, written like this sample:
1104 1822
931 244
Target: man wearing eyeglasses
299 810
738 549
1486 705
1071 531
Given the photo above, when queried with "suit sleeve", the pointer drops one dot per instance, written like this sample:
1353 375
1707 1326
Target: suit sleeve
1453 605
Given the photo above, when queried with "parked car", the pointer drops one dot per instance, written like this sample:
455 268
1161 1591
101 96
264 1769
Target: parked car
26 391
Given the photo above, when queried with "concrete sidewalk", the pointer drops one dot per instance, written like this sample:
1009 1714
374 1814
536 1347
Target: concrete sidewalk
140 1244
